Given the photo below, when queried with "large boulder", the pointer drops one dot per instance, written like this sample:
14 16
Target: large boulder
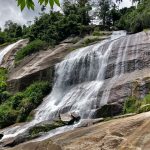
108 110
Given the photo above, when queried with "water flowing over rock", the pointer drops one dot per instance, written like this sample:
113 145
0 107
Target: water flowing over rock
78 81
9 48
94 76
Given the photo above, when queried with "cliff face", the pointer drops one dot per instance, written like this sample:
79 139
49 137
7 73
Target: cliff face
39 66
133 69
8 59
135 66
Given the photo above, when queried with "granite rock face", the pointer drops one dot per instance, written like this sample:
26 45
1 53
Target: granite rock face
135 66
37 67
132 76
8 60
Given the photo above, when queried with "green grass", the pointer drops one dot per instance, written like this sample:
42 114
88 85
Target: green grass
31 48
90 40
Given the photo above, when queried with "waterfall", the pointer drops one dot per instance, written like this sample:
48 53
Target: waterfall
4 51
78 80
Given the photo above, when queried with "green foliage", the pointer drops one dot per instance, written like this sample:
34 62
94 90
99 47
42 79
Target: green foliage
31 98
2 37
103 13
12 30
91 40
56 27
32 47
4 96
18 107
45 127
7 115
134 105
131 105
97 33
30 3
135 20
15 100
144 108
3 78
146 99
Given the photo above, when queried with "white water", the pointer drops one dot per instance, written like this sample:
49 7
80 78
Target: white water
4 51
79 79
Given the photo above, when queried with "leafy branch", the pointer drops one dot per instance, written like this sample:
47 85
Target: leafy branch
30 4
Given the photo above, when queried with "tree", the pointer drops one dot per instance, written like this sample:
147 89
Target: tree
2 37
12 30
103 11
80 8
18 32
115 14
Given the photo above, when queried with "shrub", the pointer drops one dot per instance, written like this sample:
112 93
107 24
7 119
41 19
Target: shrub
134 105
146 99
3 78
131 105
144 108
7 115
18 107
16 100
32 97
4 96
32 47
45 127
90 40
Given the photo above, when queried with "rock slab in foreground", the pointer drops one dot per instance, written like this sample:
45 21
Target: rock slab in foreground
46 145
131 133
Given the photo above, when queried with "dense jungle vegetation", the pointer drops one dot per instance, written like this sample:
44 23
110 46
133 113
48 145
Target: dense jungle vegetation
75 19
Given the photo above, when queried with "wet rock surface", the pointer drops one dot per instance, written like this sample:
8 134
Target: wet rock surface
32 133
8 60
129 133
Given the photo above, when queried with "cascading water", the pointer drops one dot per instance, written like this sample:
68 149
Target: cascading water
78 81
4 51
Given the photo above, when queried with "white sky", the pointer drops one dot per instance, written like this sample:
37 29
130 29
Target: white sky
10 11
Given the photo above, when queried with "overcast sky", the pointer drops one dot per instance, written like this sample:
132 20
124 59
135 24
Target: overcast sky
10 11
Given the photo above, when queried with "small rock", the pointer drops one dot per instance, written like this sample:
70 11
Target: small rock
70 118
